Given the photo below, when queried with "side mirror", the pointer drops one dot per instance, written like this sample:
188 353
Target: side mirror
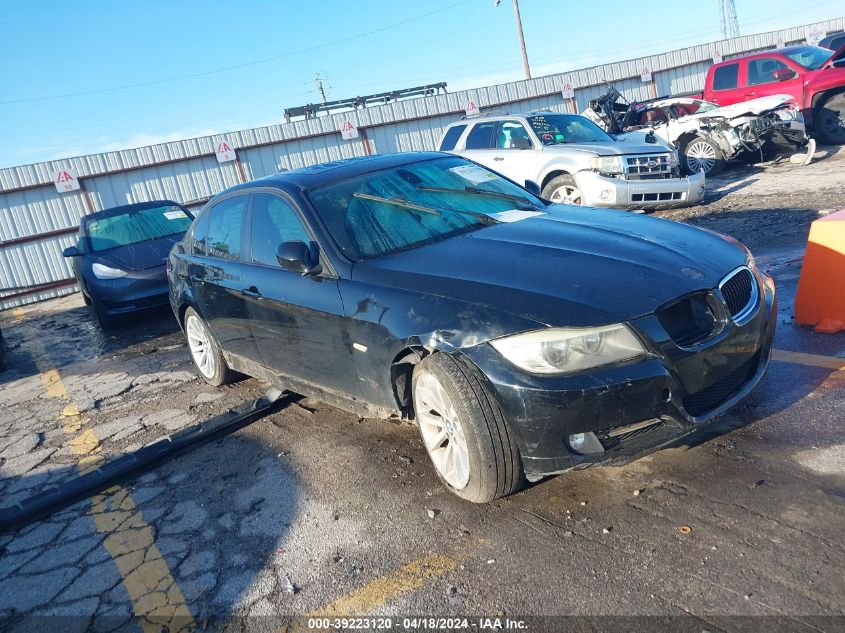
298 258
782 74
533 187
71 251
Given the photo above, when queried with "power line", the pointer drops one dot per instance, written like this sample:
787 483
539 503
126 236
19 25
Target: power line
224 69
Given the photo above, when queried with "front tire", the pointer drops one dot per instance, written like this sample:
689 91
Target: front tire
205 353
702 154
464 431
563 190
830 121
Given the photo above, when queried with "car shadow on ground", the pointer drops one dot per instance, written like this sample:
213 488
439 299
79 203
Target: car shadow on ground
217 518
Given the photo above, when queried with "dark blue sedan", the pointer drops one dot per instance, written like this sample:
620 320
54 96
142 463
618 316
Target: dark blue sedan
120 259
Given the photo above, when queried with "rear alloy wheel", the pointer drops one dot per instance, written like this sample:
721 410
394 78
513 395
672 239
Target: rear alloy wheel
701 154
562 190
830 121
204 351
464 430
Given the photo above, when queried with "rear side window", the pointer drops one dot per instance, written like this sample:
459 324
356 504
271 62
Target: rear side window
762 71
451 138
273 221
198 235
482 136
224 229
726 77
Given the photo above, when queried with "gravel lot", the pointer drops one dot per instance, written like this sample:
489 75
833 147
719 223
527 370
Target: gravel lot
312 510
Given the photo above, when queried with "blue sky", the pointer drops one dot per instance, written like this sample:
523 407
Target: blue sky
95 53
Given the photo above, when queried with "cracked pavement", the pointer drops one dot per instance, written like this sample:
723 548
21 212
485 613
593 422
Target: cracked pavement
313 510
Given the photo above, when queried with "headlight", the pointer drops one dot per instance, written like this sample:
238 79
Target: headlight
566 350
673 158
607 165
749 260
101 271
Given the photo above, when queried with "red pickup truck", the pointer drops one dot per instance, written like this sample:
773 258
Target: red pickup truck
814 76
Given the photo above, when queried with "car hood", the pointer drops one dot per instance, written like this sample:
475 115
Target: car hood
568 267
613 148
754 106
142 255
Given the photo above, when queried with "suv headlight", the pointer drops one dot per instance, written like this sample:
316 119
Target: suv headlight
567 350
101 271
673 158
607 165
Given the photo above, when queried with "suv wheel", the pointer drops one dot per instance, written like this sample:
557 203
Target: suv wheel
562 190
702 154
464 430
204 351
830 121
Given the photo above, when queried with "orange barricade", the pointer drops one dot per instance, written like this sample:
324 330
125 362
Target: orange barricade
820 300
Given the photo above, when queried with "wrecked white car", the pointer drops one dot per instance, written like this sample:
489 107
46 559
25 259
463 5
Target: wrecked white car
705 135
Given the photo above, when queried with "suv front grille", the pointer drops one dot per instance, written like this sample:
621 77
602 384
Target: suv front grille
739 290
713 395
649 167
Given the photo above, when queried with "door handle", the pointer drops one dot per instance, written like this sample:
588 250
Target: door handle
498 158
750 94
252 291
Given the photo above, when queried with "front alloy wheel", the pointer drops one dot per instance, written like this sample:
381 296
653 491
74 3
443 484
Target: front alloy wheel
464 431
702 155
562 190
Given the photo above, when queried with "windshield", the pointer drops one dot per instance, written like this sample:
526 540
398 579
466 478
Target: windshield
558 129
137 226
414 204
810 57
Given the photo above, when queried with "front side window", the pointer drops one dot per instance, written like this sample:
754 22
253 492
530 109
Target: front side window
482 135
411 205
224 229
273 221
513 135
137 226
762 71
559 129
450 139
198 235
726 77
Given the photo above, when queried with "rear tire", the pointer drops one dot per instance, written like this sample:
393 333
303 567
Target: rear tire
702 154
455 408
205 353
830 121
105 320
562 190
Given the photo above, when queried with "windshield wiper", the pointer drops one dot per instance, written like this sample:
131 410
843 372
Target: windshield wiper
475 191
407 204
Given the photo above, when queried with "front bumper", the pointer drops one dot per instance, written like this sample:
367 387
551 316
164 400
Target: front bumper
139 290
603 191
636 407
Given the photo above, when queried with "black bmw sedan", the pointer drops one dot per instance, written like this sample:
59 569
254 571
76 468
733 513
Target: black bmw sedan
524 338
119 260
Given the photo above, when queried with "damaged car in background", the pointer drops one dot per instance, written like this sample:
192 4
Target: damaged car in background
705 135
524 338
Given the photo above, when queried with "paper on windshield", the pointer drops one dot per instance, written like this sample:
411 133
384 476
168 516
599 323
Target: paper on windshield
515 215
178 214
473 173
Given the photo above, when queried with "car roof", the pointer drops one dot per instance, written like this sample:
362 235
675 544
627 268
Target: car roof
129 208
786 50
324 173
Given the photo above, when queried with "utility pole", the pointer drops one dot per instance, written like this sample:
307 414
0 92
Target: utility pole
521 36
320 88
727 19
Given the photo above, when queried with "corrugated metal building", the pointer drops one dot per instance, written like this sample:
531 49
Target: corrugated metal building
37 222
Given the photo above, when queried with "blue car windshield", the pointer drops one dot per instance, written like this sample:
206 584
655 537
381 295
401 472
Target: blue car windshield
414 204
810 57
136 226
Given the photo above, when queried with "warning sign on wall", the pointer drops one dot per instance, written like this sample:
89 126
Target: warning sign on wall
225 152
348 130
717 57
568 91
471 108
66 180
645 74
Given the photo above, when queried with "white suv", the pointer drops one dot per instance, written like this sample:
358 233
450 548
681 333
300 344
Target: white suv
574 161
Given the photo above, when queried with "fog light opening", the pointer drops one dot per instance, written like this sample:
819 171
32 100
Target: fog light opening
585 443
666 395
701 191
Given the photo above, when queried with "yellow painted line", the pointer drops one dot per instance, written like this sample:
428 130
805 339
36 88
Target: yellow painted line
157 600
810 360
